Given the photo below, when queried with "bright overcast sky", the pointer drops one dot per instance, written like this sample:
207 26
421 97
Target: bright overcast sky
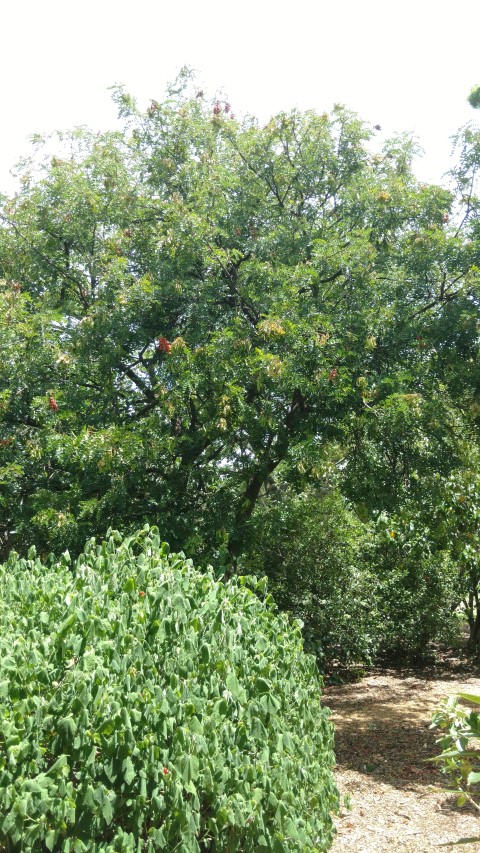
407 65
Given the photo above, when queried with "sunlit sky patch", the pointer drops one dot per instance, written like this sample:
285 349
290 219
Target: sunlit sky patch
406 66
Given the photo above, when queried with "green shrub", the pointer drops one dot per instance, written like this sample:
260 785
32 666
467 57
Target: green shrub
312 548
147 706
417 587
460 756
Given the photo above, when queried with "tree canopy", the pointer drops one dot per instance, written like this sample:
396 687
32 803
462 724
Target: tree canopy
205 319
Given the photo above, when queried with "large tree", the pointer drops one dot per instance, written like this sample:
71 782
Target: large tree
200 311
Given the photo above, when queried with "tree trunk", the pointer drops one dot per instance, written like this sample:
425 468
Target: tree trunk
474 616
474 639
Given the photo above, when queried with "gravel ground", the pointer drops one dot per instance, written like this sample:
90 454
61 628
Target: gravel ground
382 739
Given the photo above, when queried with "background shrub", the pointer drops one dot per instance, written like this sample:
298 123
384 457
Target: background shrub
417 587
312 548
147 706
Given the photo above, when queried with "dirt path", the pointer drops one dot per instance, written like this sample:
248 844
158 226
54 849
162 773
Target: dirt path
382 735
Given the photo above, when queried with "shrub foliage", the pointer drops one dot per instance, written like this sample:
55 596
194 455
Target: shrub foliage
148 706
460 756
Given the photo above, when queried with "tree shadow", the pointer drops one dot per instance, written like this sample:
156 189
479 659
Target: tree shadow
382 725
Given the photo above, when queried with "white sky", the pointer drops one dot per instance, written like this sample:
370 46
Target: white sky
407 65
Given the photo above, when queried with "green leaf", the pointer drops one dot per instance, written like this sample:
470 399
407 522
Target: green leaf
67 727
50 839
99 795
21 806
470 697
234 687
190 768
66 625
205 653
61 764
195 725
128 771
473 778
107 811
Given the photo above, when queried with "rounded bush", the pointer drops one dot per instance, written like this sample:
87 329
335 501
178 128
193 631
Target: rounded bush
148 706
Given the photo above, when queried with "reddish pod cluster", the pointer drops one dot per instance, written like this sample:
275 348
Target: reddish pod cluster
333 374
445 217
164 345
216 109
52 404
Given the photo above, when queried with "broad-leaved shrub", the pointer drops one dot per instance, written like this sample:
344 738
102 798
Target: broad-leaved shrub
147 706
459 741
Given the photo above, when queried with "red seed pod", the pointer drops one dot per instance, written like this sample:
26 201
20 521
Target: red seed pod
52 404
227 108
163 345
216 109
333 374
445 217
